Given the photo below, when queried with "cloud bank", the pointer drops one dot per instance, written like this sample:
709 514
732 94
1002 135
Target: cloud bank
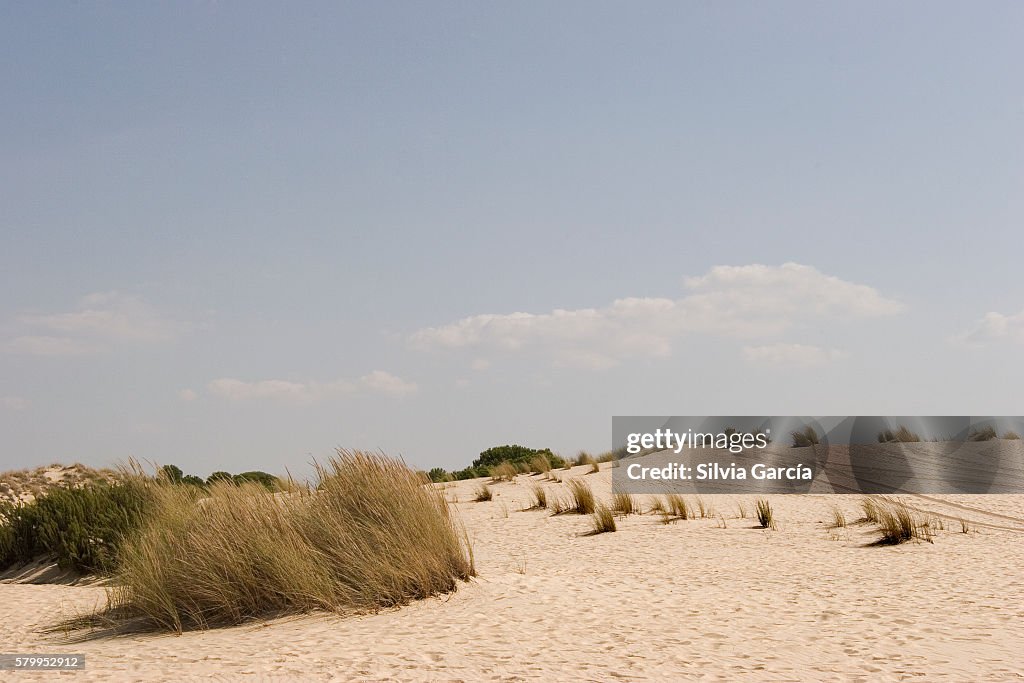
101 321
376 382
729 301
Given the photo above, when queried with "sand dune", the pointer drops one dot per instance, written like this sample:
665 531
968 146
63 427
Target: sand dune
689 600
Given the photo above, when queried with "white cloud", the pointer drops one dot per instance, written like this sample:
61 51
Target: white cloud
100 320
13 402
187 395
996 327
377 381
736 301
37 345
382 382
791 355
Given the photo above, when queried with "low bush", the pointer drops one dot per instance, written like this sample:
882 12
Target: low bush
82 528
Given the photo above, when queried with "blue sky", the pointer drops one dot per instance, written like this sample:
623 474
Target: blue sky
238 235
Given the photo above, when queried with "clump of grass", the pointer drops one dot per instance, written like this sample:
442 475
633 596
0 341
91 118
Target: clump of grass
367 536
603 519
484 494
677 506
900 435
765 514
584 458
872 508
984 434
540 497
626 504
558 505
742 509
1011 436
964 526
540 464
581 498
594 468
505 471
838 519
522 467
805 437
897 524
658 506
704 511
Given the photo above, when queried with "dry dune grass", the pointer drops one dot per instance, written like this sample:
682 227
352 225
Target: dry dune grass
765 514
504 472
580 500
540 497
625 504
677 507
603 519
540 464
899 435
895 521
368 536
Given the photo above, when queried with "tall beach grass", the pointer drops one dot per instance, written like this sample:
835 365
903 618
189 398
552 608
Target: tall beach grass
367 536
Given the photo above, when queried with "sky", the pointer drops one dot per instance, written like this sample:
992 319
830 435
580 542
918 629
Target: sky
238 236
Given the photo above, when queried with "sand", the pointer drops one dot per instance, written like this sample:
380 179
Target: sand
706 599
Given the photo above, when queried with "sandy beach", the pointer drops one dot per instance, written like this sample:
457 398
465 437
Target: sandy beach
703 599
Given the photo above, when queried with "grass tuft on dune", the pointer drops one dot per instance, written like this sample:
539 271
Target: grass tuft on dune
367 536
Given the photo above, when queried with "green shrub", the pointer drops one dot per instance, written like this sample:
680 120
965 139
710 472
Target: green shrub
81 528
268 481
219 476
515 454
438 475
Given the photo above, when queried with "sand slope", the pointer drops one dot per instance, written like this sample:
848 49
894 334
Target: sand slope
684 601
